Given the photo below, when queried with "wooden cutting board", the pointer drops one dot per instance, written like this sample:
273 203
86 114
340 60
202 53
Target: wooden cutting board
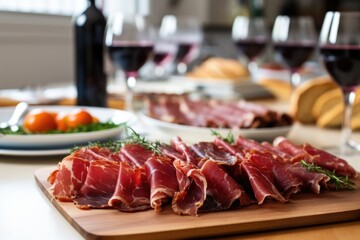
303 210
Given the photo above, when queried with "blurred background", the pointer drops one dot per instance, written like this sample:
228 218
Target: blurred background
36 36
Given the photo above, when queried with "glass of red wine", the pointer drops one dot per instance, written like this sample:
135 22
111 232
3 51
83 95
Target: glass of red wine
294 40
340 49
164 53
187 33
129 39
250 37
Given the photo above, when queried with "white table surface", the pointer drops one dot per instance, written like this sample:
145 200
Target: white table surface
25 212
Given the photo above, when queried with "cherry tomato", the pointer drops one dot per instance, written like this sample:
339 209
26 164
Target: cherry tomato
79 117
61 121
39 121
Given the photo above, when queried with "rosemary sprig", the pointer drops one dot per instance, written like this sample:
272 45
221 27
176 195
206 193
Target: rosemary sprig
134 137
131 137
340 182
229 137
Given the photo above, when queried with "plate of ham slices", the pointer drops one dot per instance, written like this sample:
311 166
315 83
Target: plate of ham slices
194 120
194 134
55 141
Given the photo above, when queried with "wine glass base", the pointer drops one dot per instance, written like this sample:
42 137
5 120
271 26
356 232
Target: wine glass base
348 150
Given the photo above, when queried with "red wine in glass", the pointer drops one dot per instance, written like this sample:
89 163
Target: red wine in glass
340 49
161 58
183 53
251 48
130 57
294 54
343 64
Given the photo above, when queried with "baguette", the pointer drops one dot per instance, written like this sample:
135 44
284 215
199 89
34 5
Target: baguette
279 88
325 102
304 97
333 117
220 68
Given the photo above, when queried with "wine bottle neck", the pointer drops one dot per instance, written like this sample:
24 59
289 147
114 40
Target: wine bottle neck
92 2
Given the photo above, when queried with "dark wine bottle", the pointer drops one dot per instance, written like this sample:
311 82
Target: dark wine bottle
89 59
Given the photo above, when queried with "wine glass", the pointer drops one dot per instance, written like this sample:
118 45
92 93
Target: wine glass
129 40
250 37
186 32
164 53
294 40
340 49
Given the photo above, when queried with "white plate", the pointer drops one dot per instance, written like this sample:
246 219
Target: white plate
66 140
49 152
192 134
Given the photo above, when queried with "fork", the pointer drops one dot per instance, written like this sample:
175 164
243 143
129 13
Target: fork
12 123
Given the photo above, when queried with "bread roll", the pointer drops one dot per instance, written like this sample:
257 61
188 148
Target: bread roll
333 116
325 102
279 88
304 97
220 68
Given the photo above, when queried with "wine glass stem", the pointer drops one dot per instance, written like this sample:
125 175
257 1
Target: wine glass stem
252 66
295 79
181 68
130 85
348 97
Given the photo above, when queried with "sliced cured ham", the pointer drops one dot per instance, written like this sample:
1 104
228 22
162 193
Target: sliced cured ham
170 152
161 175
317 156
99 185
68 178
184 149
276 152
329 161
96 153
288 147
222 188
212 113
229 148
311 181
276 172
249 145
132 191
262 187
192 189
136 154
209 151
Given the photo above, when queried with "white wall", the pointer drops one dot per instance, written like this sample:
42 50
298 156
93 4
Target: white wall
35 49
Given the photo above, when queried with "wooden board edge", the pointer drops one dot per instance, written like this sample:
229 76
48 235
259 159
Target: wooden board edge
213 231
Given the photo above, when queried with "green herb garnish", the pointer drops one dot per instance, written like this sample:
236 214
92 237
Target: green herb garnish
339 182
134 137
82 128
229 137
131 137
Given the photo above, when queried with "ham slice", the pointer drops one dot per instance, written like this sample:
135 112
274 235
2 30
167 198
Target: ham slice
170 152
99 185
204 113
222 188
229 148
135 154
186 152
209 151
317 156
132 191
192 189
161 176
68 178
97 153
262 187
311 180
276 172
